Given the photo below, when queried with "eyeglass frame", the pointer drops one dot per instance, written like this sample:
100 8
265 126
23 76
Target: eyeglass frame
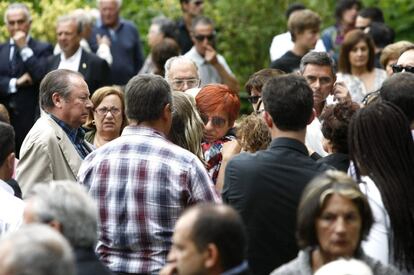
253 99
185 80
214 120
399 68
103 111
200 37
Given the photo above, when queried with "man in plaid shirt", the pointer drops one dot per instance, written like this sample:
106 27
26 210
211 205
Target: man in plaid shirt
142 182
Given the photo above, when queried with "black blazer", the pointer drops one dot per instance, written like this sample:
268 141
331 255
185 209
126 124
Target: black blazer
95 70
265 188
23 105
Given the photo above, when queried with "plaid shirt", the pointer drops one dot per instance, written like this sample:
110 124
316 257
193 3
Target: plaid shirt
142 183
76 136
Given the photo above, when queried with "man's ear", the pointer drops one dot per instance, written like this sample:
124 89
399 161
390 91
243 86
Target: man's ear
312 116
57 100
10 163
268 119
212 257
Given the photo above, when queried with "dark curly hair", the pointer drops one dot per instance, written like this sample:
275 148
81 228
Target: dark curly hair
335 121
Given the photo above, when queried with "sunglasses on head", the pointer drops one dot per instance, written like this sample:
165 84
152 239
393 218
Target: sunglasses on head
399 68
253 99
200 37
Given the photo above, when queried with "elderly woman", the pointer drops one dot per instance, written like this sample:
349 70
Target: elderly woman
356 65
219 107
333 218
390 54
107 119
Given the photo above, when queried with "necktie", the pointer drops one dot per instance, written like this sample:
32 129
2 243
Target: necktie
13 60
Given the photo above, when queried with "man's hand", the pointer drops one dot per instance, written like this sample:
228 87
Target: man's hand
211 55
340 92
20 39
103 39
24 80
169 269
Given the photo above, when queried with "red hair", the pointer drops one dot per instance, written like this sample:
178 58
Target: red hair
216 98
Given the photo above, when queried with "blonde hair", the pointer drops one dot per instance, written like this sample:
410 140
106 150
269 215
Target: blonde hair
393 51
187 126
252 133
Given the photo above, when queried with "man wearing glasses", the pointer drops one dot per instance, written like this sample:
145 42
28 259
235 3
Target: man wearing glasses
181 73
405 62
212 66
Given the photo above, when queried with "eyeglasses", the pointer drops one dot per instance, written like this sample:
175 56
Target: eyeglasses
399 68
253 99
200 37
178 84
258 111
104 110
216 121
198 3
369 98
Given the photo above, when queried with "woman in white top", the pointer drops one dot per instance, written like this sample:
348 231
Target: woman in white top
356 65
381 148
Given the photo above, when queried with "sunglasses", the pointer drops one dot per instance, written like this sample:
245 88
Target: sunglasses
253 99
399 68
216 121
200 37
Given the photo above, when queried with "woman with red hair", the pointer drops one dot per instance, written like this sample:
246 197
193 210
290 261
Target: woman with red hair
219 108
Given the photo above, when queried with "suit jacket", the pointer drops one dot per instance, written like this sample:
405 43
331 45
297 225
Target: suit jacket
265 188
95 70
87 263
23 105
47 154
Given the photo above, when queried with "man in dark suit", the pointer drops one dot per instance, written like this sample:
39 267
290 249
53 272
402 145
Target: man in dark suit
265 187
94 69
21 71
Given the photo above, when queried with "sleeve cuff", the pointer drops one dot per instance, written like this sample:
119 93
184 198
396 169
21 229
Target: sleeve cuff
12 86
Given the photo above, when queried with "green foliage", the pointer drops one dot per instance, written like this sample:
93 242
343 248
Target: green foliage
245 27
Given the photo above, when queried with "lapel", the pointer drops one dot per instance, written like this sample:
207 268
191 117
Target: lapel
54 63
67 148
83 64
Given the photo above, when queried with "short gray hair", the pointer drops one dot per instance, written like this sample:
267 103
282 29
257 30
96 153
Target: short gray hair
36 249
317 58
68 203
181 58
118 2
71 17
57 81
18 6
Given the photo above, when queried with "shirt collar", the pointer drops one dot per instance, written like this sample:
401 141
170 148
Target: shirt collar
196 57
74 134
76 55
237 269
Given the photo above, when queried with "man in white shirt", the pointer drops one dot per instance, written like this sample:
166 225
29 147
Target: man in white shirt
283 43
212 66
11 208
94 69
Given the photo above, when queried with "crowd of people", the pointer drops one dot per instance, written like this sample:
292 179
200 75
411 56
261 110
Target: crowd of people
112 163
